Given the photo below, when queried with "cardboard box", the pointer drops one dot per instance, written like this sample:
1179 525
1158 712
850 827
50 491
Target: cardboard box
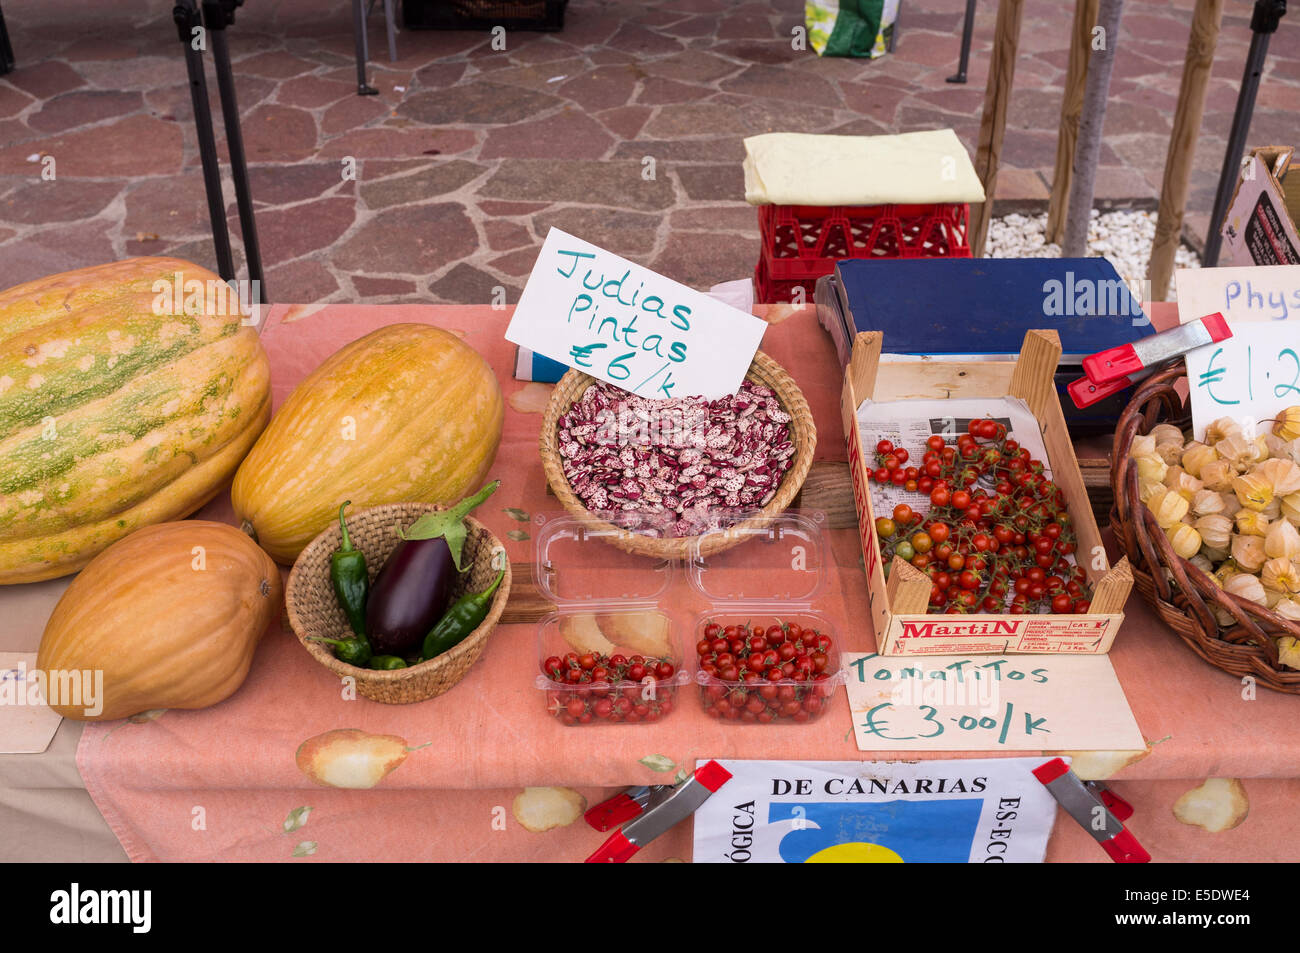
898 606
1260 227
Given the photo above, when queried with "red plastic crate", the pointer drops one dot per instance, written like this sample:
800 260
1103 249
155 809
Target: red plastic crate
800 243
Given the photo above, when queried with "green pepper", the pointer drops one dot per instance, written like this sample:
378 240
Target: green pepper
350 579
460 620
386 663
354 651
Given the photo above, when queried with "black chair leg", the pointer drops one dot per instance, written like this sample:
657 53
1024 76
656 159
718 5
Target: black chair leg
6 51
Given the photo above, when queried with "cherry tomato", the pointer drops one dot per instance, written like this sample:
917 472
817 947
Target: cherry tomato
934 442
903 514
898 478
922 542
885 527
940 496
880 475
901 453
938 533
884 447
961 500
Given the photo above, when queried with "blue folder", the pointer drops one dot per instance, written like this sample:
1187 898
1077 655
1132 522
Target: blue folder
981 307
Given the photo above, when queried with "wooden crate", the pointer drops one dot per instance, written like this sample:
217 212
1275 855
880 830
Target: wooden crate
898 605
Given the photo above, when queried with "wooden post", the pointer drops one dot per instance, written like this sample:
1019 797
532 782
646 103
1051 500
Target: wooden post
1182 143
1085 18
1086 151
993 121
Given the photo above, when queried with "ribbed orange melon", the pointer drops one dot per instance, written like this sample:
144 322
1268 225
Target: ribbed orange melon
171 616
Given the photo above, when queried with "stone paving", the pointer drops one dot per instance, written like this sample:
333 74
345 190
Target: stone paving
624 129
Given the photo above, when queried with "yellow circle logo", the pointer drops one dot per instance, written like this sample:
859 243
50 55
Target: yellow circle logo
855 853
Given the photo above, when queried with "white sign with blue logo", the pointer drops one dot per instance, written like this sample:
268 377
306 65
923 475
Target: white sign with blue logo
957 811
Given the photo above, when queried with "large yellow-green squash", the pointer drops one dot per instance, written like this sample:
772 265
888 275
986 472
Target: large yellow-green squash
171 616
122 403
408 413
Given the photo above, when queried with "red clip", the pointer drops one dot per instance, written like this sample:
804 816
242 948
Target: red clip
613 812
1123 848
1128 359
1097 810
1085 393
1116 804
617 850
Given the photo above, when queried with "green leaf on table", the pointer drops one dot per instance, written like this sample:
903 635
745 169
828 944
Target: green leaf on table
516 514
305 849
518 535
658 762
296 819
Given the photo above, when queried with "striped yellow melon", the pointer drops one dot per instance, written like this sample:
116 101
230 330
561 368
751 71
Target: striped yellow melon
118 409
408 413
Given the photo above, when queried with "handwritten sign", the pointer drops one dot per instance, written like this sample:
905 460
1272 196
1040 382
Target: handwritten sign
27 724
983 703
1250 377
620 322
1258 293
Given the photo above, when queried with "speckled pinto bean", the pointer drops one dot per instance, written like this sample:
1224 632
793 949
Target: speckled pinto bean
676 467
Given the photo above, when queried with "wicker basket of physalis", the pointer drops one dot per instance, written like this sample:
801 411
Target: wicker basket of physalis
1210 527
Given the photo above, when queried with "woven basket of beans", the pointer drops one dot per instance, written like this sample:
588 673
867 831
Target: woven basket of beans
766 473
314 611
1186 598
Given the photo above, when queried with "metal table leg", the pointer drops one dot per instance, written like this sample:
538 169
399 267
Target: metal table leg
6 51
967 28
211 25
363 51
217 14
1263 24
188 21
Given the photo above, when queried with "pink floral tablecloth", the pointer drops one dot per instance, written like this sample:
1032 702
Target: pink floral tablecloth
224 783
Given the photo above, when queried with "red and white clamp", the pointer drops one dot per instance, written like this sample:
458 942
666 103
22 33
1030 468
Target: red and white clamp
651 811
1114 369
1099 811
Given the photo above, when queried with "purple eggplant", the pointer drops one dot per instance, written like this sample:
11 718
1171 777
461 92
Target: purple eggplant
414 588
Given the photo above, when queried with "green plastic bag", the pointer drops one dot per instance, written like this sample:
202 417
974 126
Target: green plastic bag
850 27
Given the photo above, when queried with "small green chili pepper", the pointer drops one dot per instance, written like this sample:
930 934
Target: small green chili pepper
350 579
353 651
386 663
460 620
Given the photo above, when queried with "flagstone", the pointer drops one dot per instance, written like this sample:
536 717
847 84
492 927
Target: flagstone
613 183
376 287
82 107
569 134
414 240
59 200
629 234
275 133
601 88
480 102
114 149
438 178
465 284
312 92
287 233
300 281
